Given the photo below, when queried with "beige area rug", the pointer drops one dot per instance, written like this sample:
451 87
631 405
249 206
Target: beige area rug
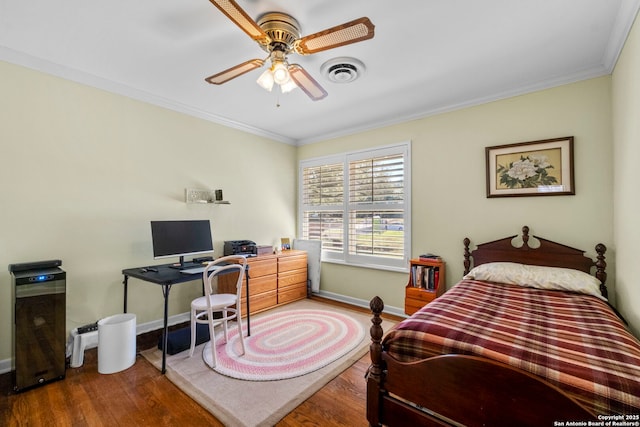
256 403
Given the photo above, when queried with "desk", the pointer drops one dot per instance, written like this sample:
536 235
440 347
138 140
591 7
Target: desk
166 276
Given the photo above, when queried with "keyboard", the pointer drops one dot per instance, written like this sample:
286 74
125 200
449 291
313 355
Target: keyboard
196 270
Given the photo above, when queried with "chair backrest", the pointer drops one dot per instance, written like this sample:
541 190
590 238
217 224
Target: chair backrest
225 265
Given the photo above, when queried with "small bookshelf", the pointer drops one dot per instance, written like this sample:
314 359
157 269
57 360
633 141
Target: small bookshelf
426 283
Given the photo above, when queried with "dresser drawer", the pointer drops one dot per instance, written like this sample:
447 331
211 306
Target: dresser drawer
294 262
292 293
260 285
259 266
416 298
413 305
419 294
291 278
260 302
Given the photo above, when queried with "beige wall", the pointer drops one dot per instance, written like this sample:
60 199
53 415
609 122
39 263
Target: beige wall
626 131
84 171
448 179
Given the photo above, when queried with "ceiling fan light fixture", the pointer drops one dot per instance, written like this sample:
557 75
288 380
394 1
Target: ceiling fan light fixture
266 80
280 73
288 86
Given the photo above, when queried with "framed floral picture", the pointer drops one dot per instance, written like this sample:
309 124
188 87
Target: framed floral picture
536 168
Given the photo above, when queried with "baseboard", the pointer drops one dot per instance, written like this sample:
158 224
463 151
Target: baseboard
154 325
6 365
359 302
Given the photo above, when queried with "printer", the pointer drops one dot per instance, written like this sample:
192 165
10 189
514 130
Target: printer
240 247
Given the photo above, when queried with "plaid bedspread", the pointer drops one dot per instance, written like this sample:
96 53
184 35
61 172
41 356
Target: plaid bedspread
573 341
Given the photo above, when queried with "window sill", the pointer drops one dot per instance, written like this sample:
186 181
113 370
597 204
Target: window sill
369 266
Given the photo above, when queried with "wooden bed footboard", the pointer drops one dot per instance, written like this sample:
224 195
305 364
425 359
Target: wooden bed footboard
457 390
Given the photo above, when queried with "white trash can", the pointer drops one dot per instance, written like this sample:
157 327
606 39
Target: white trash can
116 343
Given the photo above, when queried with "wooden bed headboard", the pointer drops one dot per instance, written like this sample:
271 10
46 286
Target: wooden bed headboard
549 254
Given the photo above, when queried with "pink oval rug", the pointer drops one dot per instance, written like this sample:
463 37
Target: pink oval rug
285 345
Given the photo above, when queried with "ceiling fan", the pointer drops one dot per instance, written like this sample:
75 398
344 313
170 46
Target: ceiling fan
279 35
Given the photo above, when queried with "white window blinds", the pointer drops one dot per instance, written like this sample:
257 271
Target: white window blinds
357 205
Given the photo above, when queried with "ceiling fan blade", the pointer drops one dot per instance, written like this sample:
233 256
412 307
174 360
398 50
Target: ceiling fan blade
242 20
347 33
233 72
307 83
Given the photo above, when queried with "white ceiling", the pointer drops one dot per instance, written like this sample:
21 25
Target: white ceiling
427 56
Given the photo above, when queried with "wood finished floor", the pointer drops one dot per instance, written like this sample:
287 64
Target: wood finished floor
141 396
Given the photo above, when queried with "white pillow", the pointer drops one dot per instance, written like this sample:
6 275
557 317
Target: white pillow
535 276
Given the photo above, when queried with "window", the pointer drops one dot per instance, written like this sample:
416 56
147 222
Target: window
358 205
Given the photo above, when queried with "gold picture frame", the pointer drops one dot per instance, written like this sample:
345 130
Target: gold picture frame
285 243
535 168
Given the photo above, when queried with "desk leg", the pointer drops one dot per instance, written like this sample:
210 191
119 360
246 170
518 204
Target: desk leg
126 286
165 333
248 312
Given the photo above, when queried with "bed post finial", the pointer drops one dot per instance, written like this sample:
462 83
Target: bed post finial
375 349
525 236
467 255
601 265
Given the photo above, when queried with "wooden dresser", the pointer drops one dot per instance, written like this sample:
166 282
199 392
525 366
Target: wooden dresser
273 280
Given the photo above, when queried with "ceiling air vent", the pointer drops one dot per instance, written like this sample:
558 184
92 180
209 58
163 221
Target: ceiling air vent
342 70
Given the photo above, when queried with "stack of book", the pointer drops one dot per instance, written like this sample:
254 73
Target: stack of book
425 276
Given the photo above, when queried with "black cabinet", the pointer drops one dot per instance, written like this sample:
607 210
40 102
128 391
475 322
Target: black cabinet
39 330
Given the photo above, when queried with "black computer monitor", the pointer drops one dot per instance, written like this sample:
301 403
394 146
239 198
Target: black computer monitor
181 238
